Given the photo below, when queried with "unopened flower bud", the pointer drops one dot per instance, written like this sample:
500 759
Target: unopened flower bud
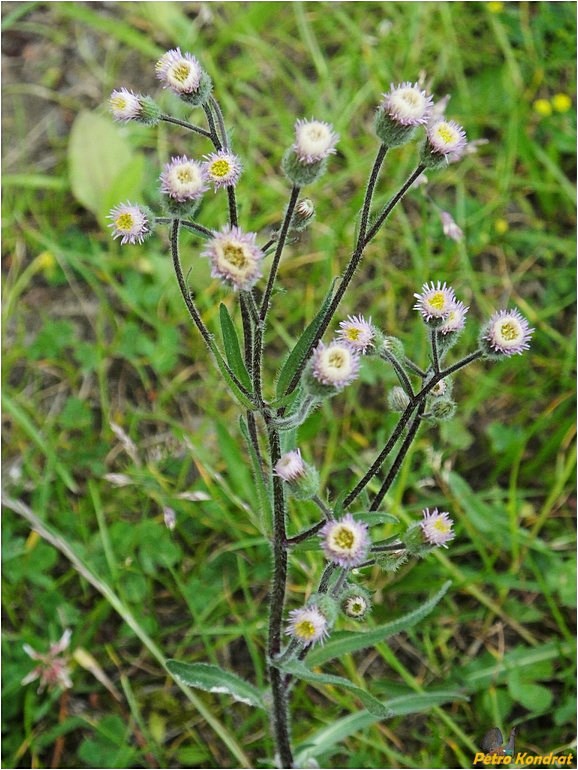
391 561
327 606
394 346
303 215
397 399
355 603
301 478
442 408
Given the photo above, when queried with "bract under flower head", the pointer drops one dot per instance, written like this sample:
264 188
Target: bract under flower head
124 105
290 466
183 179
235 258
307 625
407 104
314 140
437 527
455 319
223 168
345 541
357 332
335 365
179 72
130 223
507 333
446 137
435 301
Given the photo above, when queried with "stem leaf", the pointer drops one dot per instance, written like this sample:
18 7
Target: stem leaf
295 358
341 644
205 676
232 347
300 670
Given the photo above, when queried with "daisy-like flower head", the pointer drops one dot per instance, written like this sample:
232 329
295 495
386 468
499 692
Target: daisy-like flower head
435 301
506 333
407 104
437 527
335 365
455 319
357 332
222 168
355 603
53 668
315 140
345 541
445 138
130 223
183 179
450 228
235 258
308 625
124 105
179 72
303 214
290 466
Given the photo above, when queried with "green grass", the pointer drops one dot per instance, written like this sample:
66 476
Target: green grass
95 334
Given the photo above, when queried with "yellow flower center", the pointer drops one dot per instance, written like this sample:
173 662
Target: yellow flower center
220 168
235 256
437 300
118 102
337 359
184 175
124 221
509 331
305 629
181 71
353 334
344 538
446 133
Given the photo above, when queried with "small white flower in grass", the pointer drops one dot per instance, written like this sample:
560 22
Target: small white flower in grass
124 105
407 104
437 527
130 223
450 228
183 179
445 138
435 301
53 668
307 625
335 365
357 332
290 466
345 541
179 72
314 140
455 319
235 258
507 333
223 168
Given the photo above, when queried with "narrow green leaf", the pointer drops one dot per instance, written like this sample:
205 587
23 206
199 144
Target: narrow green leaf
263 496
300 670
375 517
341 644
232 348
227 374
325 739
205 676
295 358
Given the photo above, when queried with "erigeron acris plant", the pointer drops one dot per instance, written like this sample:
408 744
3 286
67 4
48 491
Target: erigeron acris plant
247 263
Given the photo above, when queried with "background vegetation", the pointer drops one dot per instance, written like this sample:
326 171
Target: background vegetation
95 336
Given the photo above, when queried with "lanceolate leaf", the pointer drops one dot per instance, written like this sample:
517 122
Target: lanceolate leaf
205 676
300 670
325 739
295 358
340 644
232 348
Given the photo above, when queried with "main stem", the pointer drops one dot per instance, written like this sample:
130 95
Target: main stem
280 715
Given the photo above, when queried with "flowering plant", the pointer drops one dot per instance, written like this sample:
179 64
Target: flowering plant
247 263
